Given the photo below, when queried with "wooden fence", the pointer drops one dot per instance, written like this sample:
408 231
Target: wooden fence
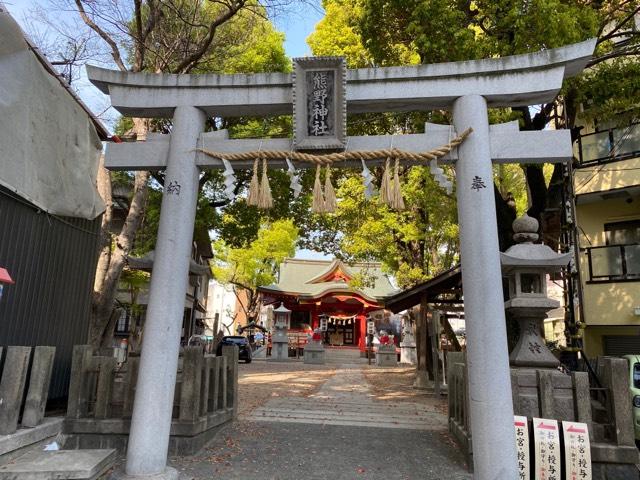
102 394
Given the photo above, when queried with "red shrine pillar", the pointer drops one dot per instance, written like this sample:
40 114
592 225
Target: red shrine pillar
315 318
361 331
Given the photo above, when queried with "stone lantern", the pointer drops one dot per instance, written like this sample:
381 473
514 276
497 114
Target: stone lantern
526 266
280 339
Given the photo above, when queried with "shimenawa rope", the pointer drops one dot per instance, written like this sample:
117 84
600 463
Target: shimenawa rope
330 158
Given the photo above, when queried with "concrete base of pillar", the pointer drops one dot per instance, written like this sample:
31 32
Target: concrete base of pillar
422 381
279 351
314 353
168 474
386 357
408 354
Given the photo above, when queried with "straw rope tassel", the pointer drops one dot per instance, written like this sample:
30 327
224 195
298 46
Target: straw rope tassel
398 201
330 202
254 187
317 205
385 185
265 200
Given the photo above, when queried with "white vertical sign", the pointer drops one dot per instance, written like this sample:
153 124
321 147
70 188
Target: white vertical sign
522 445
547 449
371 327
577 451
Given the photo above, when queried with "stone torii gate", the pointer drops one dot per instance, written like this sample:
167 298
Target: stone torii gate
466 88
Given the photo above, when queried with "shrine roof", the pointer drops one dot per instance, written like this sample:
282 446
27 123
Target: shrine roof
314 278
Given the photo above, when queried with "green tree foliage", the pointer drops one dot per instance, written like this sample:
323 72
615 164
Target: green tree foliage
396 32
337 34
451 30
256 264
247 43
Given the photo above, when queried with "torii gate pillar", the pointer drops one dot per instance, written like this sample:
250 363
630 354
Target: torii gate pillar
489 380
151 419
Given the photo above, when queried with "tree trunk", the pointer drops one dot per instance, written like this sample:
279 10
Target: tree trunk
104 189
111 264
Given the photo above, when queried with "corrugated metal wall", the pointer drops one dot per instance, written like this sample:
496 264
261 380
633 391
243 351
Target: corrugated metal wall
53 262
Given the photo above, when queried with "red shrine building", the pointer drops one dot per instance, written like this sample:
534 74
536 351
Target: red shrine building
313 289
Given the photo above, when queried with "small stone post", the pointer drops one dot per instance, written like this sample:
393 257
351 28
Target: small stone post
314 352
408 345
36 401
230 353
489 379
14 376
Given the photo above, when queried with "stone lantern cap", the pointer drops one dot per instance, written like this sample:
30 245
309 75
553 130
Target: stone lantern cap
281 309
528 255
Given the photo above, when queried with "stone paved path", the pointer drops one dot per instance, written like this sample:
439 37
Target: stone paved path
341 431
345 400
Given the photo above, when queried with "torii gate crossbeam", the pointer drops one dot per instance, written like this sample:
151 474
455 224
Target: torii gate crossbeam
466 88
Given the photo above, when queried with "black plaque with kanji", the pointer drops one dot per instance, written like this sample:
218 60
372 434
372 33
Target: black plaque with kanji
319 103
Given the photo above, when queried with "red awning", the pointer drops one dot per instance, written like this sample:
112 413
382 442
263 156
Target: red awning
5 277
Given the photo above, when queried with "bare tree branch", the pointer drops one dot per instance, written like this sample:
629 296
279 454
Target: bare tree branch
191 60
115 53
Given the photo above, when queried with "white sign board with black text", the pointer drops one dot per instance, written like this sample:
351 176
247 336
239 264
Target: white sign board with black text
371 327
522 446
546 437
577 451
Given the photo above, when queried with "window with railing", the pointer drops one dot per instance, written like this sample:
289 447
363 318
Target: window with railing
619 259
614 263
609 145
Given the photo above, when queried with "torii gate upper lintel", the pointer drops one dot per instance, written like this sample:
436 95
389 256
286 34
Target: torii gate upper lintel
468 89
519 80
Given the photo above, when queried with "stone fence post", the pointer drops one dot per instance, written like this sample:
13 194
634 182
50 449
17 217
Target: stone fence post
15 371
614 374
231 352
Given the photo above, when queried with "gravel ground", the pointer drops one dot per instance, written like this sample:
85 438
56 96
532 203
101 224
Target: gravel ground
282 451
287 451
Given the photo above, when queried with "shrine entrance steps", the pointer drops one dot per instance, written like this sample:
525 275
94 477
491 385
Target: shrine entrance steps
345 400
344 355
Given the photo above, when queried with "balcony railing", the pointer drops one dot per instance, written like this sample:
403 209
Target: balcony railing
609 145
614 263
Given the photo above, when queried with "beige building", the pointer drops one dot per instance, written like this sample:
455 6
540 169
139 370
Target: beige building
607 189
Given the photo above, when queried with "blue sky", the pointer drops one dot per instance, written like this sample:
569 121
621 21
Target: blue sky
296 25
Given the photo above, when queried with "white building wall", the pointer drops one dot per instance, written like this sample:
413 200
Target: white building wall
221 301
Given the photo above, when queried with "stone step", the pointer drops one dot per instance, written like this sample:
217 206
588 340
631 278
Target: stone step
349 422
341 409
408 406
355 416
60 465
23 437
